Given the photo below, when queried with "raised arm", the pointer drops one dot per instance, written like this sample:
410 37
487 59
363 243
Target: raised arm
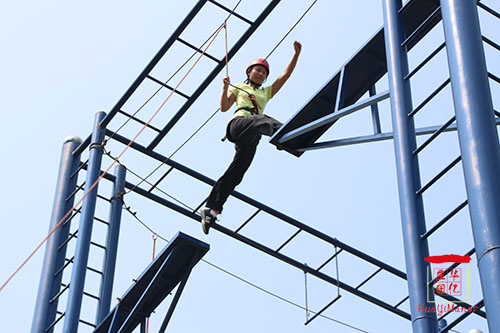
280 81
226 99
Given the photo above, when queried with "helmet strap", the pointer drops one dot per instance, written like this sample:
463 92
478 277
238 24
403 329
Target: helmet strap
253 82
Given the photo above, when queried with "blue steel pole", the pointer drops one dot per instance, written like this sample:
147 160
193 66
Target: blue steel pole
478 139
79 270
50 284
411 205
108 270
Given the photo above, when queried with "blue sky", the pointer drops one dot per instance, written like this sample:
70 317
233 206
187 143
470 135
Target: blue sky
63 62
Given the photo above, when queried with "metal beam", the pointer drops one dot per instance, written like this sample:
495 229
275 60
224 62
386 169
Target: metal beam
79 270
478 138
257 204
407 168
111 249
334 116
265 13
50 281
375 138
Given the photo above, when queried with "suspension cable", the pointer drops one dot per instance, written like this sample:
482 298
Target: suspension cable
176 72
210 118
134 214
109 167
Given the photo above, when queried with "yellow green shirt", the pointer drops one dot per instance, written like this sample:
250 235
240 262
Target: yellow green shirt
242 101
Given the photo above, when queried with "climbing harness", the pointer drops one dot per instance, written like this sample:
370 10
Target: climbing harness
70 211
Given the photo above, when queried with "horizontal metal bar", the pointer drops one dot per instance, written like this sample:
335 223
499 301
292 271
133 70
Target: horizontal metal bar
94 270
428 99
322 310
231 11
168 87
268 250
491 43
49 329
433 136
68 261
488 9
156 59
161 179
402 301
98 245
329 259
78 188
372 138
444 220
420 29
139 120
494 77
80 320
103 198
75 213
425 61
288 240
70 237
211 76
334 116
479 305
66 287
82 146
197 50
450 268
101 220
256 204
85 293
439 175
82 164
369 278
248 220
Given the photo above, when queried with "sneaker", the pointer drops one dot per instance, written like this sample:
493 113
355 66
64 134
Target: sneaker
207 220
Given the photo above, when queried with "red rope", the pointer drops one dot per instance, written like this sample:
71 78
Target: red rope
110 166
154 250
225 34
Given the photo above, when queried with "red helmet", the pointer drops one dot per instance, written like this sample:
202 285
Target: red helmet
259 61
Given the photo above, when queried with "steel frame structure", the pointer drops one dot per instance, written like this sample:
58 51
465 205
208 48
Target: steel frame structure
403 28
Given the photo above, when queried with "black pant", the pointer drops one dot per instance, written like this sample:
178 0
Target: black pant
245 133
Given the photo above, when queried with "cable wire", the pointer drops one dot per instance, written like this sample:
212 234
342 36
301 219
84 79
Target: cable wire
291 29
51 232
134 214
177 71
201 127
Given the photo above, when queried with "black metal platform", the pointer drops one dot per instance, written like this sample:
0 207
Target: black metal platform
170 268
355 78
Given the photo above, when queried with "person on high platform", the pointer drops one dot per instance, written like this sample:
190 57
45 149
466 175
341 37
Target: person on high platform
246 127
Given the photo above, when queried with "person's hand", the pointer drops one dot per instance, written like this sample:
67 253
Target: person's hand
297 47
226 81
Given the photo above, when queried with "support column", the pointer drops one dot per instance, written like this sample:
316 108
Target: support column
79 270
478 139
50 284
108 270
411 205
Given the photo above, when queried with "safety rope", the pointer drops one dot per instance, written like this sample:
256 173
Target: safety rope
51 232
175 73
154 237
216 111
110 166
